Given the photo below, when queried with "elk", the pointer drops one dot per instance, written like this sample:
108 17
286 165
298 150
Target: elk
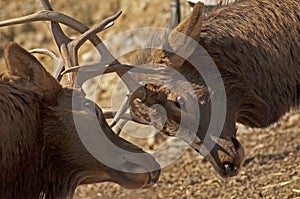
41 153
255 45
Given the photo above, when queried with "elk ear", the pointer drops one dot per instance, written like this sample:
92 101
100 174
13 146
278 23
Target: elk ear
183 40
27 70
191 27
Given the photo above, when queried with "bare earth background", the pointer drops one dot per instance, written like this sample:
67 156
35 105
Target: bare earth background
272 169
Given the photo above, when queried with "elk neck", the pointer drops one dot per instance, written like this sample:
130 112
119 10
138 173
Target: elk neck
256 49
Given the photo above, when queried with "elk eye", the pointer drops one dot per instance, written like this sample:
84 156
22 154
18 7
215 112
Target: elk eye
179 101
89 105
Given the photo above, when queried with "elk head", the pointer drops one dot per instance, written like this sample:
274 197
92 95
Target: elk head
65 112
215 141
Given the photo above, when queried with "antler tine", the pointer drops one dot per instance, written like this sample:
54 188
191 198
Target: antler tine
120 126
49 15
68 54
91 35
76 43
175 13
58 62
81 28
86 34
99 68
91 70
123 108
69 51
46 15
58 34
110 113
61 40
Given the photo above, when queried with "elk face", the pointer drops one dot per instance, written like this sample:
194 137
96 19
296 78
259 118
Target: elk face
191 120
218 144
63 113
215 137
92 147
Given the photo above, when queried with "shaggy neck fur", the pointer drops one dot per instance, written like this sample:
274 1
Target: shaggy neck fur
60 179
29 167
256 46
20 144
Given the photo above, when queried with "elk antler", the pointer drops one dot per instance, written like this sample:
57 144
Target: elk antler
68 48
58 61
175 14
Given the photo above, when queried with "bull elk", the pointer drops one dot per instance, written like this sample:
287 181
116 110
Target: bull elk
255 45
41 153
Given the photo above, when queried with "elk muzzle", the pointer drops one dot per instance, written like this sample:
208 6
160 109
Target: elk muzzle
139 176
122 162
226 156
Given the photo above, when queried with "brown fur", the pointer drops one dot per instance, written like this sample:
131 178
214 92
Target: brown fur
41 155
259 43
256 47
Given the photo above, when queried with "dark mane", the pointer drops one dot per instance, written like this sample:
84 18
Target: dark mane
21 171
26 164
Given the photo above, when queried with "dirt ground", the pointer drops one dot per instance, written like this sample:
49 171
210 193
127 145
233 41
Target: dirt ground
272 168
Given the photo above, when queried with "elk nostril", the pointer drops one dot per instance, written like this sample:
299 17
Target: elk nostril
155 176
230 169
